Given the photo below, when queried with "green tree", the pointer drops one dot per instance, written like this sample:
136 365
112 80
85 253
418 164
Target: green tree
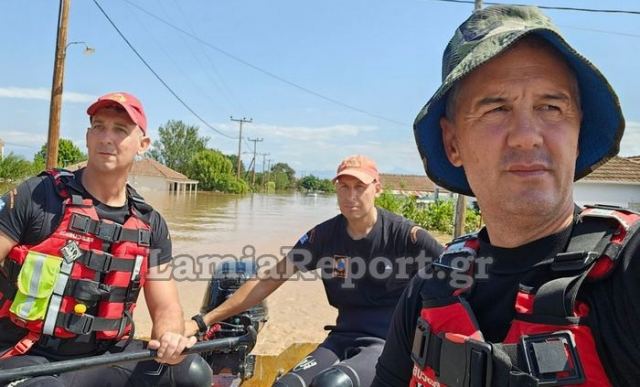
286 169
234 163
177 144
215 172
68 154
281 181
313 183
309 183
283 175
326 185
13 167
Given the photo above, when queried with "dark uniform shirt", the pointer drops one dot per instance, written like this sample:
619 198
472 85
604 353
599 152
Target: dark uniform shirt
33 210
364 278
614 308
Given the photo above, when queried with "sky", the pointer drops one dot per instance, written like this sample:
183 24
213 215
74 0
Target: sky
320 79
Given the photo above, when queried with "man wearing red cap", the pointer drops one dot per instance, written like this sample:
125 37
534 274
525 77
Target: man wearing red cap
366 256
76 248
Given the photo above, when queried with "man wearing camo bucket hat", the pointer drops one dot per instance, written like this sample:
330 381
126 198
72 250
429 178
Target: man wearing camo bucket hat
547 293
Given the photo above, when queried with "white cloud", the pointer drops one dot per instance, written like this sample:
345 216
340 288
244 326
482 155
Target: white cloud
630 145
320 149
43 94
23 139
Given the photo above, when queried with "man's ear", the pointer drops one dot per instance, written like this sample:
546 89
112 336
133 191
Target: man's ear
450 141
378 188
145 143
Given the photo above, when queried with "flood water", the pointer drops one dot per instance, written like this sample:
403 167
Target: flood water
213 223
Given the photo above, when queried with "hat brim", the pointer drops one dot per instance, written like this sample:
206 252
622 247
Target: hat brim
600 132
134 115
362 176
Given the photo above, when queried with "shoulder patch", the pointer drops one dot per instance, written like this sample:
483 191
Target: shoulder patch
307 237
414 233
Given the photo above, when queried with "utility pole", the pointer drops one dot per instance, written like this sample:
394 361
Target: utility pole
269 169
56 85
240 122
253 175
264 157
477 5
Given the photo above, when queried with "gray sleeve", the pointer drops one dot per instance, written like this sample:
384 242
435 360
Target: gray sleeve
161 246
16 208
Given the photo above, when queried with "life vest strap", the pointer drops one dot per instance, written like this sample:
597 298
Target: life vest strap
93 291
105 262
22 346
109 232
83 324
461 361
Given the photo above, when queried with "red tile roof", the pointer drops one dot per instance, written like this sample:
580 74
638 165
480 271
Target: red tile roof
145 167
617 170
408 183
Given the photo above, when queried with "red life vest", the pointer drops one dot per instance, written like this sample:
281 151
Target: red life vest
84 278
548 342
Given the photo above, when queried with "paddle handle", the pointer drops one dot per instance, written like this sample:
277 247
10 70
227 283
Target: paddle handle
226 343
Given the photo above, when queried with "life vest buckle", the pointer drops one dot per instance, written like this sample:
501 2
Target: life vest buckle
421 338
465 362
573 260
80 223
80 324
144 238
99 261
552 358
108 232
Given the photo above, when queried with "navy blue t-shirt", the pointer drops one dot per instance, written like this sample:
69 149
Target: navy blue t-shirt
364 278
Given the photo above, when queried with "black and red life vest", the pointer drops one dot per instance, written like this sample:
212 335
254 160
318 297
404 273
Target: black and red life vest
548 342
82 279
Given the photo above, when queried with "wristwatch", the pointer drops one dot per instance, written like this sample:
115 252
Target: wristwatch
202 326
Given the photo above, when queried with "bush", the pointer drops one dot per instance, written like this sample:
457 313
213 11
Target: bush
14 167
215 172
435 216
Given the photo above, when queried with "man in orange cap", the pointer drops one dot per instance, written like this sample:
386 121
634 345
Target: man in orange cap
76 248
366 256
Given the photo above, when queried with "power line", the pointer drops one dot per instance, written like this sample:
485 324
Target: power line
601 31
550 7
221 86
268 73
158 76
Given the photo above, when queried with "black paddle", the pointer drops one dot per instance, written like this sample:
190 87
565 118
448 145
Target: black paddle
226 343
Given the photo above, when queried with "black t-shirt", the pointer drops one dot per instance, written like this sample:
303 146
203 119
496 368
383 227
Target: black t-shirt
614 307
364 278
32 211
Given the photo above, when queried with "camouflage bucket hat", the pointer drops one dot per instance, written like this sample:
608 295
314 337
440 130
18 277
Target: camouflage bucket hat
486 34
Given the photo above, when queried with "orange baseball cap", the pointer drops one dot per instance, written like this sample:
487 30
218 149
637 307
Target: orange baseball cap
360 167
128 102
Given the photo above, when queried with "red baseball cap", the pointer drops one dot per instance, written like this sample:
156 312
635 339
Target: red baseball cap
360 167
128 102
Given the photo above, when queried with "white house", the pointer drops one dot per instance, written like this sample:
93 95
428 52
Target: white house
150 175
617 182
